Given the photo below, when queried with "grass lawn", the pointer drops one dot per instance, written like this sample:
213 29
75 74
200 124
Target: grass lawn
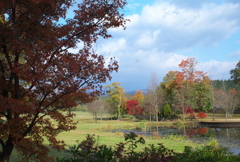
221 116
86 125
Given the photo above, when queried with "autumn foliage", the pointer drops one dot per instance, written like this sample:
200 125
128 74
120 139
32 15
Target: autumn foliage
138 96
202 131
201 115
188 87
133 108
40 73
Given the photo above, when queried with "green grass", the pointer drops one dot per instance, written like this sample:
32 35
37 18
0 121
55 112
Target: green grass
221 115
86 125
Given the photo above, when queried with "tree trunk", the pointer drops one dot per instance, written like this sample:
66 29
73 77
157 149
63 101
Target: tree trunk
183 113
95 117
156 110
118 113
7 150
213 114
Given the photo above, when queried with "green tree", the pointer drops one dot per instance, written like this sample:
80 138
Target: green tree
228 84
167 111
169 86
235 74
188 87
199 95
116 94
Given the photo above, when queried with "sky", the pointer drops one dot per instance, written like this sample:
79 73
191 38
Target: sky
162 33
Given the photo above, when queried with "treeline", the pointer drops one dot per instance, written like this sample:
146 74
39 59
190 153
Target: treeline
227 84
181 94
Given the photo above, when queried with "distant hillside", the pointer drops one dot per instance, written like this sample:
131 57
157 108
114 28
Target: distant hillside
144 91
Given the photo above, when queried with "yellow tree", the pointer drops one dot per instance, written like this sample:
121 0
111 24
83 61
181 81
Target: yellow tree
116 94
138 96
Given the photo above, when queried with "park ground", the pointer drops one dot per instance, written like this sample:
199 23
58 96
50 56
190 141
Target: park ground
86 125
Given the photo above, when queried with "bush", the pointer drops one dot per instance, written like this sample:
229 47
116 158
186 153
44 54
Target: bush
206 154
201 115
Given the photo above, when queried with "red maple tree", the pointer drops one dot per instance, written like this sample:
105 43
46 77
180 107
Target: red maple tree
40 74
133 108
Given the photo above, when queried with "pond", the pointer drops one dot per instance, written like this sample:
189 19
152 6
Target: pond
227 137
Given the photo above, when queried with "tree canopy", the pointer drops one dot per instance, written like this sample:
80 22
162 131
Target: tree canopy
116 97
188 87
133 108
235 74
40 73
138 96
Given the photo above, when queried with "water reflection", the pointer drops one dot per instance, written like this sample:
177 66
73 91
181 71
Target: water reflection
227 137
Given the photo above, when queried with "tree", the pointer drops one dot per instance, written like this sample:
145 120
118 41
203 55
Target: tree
201 115
167 111
40 74
155 97
235 74
138 96
187 87
169 86
148 107
227 100
228 84
97 107
198 85
133 108
109 108
116 95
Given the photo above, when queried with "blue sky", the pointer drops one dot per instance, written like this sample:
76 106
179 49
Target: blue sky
163 32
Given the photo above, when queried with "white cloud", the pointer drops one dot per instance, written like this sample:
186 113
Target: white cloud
217 69
153 39
167 27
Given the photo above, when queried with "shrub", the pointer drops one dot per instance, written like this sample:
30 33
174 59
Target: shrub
201 115
206 154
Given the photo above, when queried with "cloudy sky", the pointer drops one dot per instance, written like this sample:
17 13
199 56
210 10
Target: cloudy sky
163 32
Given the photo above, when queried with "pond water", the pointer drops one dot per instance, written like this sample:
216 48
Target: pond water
227 137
